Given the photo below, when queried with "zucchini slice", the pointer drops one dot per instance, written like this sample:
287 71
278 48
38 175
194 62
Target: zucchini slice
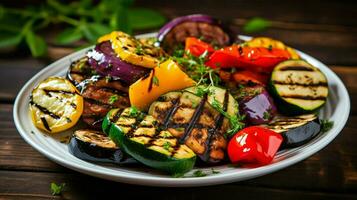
299 87
296 130
139 136
55 105
190 117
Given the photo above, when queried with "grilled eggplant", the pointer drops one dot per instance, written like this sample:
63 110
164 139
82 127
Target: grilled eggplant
139 136
190 117
296 130
95 146
55 105
132 50
79 71
101 95
299 88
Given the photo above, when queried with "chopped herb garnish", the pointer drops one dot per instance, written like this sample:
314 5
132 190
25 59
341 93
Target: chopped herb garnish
166 145
57 189
215 171
270 47
180 129
139 50
155 81
113 99
199 173
166 135
235 121
108 78
133 112
326 125
266 115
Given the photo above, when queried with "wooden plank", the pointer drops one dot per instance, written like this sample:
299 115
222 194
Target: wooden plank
331 169
29 184
314 12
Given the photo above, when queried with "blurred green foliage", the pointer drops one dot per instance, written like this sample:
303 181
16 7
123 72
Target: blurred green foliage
82 20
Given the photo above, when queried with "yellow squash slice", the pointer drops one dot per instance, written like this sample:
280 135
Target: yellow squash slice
132 50
55 105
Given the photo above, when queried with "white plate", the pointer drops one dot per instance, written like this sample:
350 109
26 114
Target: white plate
337 109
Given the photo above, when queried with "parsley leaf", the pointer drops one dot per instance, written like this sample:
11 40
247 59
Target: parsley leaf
113 99
326 125
133 111
199 173
155 81
235 121
166 145
57 189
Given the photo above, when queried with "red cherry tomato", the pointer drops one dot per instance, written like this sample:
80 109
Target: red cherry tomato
254 146
197 47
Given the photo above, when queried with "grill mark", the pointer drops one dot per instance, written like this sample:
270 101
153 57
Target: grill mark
45 110
47 91
117 115
301 84
45 124
304 97
73 105
151 80
296 68
194 119
134 127
217 126
94 101
114 91
171 112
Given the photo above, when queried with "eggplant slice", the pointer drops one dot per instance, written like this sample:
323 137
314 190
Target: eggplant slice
79 71
296 130
95 146
101 95
195 122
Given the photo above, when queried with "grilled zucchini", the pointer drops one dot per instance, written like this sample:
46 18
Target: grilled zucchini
55 105
139 136
295 130
189 116
132 50
298 87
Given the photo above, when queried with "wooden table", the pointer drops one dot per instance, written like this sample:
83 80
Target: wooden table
325 30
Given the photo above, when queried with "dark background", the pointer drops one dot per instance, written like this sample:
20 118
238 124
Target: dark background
326 30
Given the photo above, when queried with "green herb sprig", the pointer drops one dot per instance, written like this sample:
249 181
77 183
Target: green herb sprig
57 189
81 20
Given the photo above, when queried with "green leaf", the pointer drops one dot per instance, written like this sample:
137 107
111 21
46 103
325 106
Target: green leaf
57 189
9 40
119 20
143 18
36 44
92 31
256 24
61 8
69 35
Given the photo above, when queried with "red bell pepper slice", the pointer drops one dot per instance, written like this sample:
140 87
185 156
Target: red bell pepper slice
254 146
257 59
197 47
246 76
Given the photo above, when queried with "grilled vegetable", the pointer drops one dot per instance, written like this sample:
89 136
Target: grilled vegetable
139 136
296 130
166 77
197 47
95 146
190 117
104 60
55 105
298 87
258 107
100 95
133 51
271 43
257 59
200 26
79 71
254 146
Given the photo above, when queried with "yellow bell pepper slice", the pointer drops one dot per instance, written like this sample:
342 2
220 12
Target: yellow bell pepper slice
132 50
271 43
164 78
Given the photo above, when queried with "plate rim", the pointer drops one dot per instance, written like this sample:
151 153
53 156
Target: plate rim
192 181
